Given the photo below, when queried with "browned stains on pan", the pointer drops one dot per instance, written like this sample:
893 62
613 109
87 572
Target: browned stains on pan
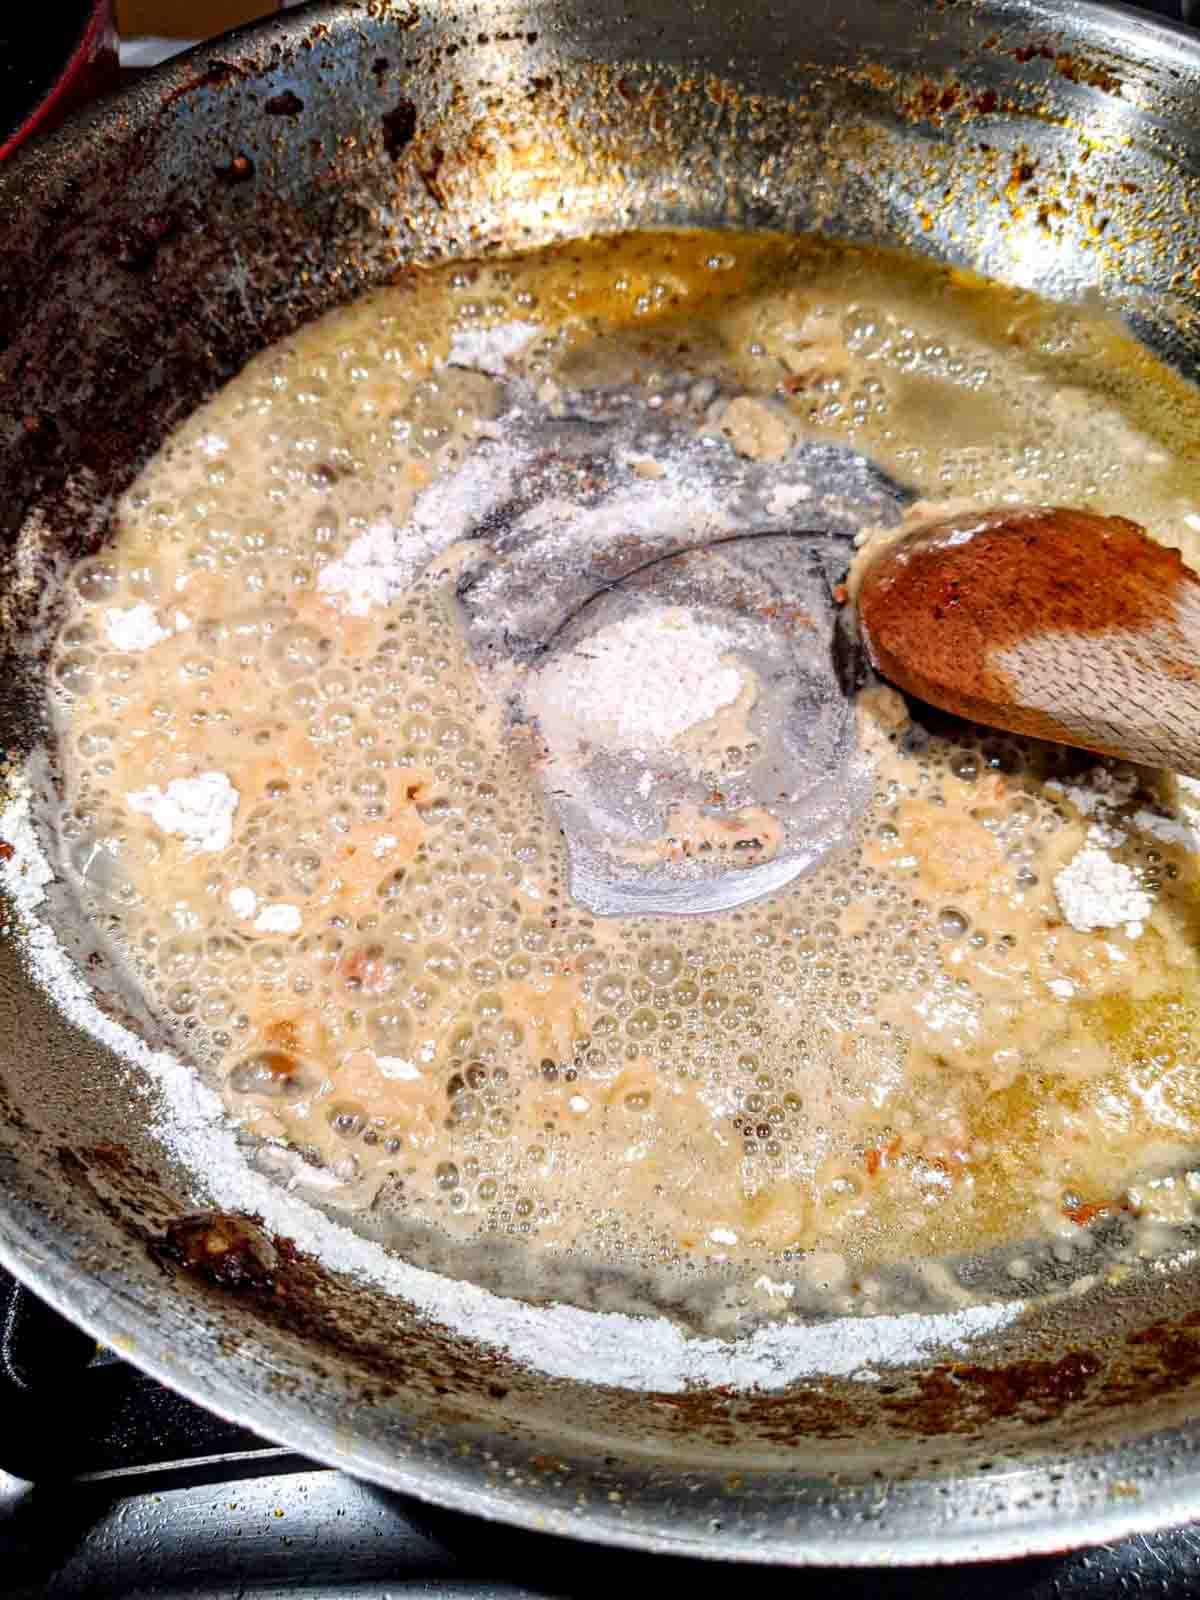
1076 69
962 1397
228 1250
531 139
399 126
215 75
1155 1363
1076 1386
287 104
1157 1360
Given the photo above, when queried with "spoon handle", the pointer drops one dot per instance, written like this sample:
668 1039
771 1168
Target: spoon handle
1061 624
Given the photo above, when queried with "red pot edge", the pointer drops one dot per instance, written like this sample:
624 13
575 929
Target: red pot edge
76 83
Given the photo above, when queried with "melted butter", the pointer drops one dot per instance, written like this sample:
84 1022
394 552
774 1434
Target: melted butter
873 1062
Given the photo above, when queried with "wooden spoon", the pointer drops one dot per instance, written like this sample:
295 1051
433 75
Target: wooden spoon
1057 623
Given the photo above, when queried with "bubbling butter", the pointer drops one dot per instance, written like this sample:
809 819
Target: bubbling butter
323 848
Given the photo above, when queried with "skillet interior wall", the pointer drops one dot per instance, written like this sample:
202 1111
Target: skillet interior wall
147 253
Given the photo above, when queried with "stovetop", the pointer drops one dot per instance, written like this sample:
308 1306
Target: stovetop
112 1485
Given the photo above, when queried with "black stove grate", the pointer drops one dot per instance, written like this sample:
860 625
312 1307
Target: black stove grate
1177 10
121 1421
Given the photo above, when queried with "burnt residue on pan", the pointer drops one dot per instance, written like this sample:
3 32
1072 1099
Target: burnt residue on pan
145 256
976 1408
1044 1391
230 1251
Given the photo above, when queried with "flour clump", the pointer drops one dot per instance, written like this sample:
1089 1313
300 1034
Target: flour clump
643 681
1095 891
198 810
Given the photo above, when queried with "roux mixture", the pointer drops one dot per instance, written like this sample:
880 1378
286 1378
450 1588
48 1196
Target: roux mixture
305 815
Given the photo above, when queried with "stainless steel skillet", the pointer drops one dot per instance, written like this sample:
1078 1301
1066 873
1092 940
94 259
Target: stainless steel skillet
145 254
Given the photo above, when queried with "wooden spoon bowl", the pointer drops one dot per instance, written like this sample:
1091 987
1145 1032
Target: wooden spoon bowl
1062 624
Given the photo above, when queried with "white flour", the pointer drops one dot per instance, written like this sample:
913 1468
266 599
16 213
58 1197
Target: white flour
787 498
644 680
490 349
134 627
370 573
558 529
278 918
1105 837
199 810
640 1353
399 1067
1094 891
382 562
243 901
1099 791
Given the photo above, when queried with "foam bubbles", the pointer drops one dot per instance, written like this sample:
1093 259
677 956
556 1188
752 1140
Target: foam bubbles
432 1020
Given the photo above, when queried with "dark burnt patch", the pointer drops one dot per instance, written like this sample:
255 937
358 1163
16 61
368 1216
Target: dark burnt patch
964 1398
129 1191
1074 68
136 247
77 1174
11 1114
223 1248
399 128
724 1416
287 104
